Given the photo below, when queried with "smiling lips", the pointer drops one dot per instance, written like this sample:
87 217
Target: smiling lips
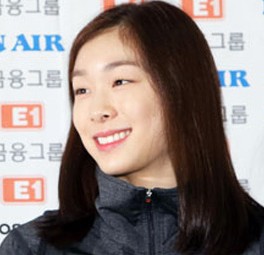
111 139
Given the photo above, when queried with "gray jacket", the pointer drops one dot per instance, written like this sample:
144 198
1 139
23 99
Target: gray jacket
131 221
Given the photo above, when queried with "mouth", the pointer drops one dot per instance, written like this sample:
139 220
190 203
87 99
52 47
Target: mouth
108 140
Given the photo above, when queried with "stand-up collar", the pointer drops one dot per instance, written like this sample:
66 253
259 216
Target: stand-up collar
121 197
128 224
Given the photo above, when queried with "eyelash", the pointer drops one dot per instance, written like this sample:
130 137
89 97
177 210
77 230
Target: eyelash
82 91
122 80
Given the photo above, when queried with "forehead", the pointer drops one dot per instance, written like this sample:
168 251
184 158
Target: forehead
103 55
110 45
107 46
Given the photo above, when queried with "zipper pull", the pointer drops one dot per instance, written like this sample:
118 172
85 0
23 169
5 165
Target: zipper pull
148 198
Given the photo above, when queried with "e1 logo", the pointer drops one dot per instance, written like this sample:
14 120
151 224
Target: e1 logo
208 9
111 3
25 190
22 116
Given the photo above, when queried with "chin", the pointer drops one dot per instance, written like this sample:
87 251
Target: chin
114 170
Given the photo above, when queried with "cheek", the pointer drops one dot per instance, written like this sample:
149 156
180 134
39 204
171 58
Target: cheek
143 111
75 117
78 118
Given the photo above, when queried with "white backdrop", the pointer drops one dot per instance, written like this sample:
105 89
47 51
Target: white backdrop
35 37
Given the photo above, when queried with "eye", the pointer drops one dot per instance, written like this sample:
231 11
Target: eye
121 82
80 91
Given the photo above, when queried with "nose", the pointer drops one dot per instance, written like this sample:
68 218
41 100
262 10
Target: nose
101 116
102 110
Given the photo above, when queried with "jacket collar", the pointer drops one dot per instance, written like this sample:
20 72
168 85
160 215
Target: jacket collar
120 197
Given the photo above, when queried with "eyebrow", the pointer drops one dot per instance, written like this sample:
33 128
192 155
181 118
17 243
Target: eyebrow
107 67
115 64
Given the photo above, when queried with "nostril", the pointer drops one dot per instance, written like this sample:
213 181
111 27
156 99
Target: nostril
103 115
99 117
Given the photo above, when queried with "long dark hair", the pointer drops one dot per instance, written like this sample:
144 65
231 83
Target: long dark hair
216 216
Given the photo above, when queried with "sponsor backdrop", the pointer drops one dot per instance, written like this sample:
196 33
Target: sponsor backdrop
35 38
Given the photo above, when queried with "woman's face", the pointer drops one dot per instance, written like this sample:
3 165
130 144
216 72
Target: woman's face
116 112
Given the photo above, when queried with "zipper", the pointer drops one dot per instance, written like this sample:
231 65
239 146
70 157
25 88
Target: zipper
148 201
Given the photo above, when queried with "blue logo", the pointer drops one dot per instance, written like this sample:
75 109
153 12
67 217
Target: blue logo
233 78
29 43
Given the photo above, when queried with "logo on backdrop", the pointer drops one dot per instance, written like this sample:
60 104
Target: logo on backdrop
245 184
23 190
236 115
33 7
27 43
21 116
6 228
203 9
233 78
111 3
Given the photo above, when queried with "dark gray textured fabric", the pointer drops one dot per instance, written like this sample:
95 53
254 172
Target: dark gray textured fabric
126 225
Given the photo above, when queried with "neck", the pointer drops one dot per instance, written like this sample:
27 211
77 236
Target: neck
162 177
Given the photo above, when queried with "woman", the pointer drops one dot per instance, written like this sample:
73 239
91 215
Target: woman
146 169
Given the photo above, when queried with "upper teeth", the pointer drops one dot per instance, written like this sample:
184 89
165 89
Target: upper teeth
113 138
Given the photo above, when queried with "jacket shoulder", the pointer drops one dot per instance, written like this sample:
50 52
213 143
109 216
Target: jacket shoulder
24 240
257 247
262 239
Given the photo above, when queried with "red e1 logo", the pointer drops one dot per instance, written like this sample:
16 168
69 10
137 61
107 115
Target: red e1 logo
208 9
22 115
111 3
25 190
